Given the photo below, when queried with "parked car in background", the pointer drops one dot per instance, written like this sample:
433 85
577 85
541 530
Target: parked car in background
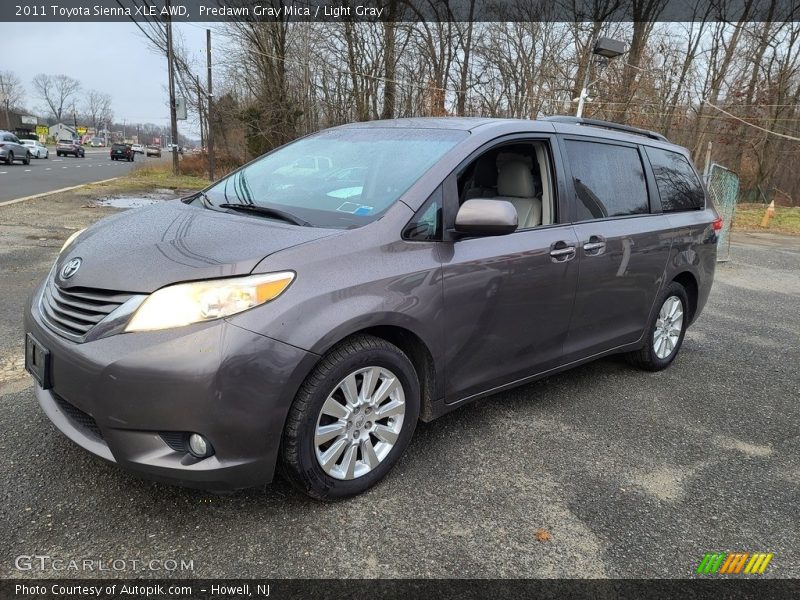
137 148
153 150
209 340
122 152
12 149
70 148
36 148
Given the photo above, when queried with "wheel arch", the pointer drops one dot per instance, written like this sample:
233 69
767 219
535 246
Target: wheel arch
689 282
411 344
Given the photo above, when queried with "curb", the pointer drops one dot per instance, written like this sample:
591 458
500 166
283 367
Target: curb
66 189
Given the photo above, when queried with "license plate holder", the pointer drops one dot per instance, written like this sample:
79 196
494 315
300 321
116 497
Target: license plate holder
37 361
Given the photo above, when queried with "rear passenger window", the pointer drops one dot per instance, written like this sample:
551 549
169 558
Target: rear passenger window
609 180
677 182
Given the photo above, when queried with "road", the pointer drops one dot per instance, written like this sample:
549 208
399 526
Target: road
55 173
633 474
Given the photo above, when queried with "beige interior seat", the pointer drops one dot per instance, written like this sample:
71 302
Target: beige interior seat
515 184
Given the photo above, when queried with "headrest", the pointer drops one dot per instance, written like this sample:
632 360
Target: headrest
514 179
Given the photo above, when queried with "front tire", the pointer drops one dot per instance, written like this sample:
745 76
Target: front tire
352 419
27 159
666 330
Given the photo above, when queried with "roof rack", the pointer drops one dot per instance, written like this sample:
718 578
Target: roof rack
606 125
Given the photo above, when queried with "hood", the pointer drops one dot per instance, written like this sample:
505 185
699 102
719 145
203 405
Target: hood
144 249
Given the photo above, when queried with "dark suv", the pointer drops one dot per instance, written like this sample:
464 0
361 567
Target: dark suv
294 318
70 147
122 152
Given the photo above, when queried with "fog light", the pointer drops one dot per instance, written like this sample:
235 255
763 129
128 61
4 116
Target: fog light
200 446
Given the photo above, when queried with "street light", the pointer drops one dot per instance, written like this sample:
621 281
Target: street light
608 49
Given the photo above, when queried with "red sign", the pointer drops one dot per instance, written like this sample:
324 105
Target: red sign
157 140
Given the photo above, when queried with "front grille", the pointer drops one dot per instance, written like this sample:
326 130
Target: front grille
78 417
75 311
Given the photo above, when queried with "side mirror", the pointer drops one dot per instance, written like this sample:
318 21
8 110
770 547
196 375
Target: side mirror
486 217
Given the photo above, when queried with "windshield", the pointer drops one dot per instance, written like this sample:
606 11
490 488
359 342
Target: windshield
341 178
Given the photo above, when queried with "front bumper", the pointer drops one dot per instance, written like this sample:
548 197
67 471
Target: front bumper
115 397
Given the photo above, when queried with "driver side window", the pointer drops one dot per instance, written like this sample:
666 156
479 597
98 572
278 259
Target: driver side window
518 173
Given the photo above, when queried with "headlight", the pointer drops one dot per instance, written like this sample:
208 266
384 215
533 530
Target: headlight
70 239
186 303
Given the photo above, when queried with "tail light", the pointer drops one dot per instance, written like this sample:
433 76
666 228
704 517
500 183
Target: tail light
717 224
2 145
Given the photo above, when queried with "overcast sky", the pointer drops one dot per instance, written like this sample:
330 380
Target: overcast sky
109 57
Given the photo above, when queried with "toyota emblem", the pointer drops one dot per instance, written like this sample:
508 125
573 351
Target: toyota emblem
71 268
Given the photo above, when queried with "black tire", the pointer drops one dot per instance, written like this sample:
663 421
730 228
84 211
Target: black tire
27 159
10 158
646 357
298 454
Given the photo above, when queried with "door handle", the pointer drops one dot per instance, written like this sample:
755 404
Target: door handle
562 251
596 245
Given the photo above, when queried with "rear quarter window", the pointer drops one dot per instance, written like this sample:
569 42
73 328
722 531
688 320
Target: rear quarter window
609 180
677 182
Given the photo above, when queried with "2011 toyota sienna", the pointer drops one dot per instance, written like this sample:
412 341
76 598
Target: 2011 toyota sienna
308 320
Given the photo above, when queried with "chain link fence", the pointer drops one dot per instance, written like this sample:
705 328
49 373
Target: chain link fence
723 188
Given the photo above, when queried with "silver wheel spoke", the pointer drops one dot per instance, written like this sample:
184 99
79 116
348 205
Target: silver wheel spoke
368 452
325 433
371 377
332 454
387 387
349 388
390 409
349 461
385 434
334 409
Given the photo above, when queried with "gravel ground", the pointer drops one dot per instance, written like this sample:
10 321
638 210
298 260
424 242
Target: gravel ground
604 471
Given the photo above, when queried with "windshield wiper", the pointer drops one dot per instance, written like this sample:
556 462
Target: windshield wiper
267 212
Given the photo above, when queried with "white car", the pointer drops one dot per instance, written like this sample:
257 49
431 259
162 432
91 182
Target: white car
36 148
138 148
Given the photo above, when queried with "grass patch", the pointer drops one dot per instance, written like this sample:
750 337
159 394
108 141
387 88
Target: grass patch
148 178
748 218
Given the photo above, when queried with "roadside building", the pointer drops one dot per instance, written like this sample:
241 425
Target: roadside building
59 131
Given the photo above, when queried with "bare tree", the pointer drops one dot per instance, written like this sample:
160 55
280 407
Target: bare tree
97 108
57 91
11 89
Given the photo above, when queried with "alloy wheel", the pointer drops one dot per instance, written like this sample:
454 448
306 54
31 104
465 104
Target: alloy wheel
359 422
669 326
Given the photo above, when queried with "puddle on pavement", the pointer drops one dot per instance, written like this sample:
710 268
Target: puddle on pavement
156 196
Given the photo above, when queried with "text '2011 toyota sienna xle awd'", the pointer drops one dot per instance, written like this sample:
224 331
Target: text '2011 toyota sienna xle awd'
306 310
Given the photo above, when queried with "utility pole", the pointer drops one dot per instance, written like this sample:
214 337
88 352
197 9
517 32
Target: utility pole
8 118
173 118
200 110
209 119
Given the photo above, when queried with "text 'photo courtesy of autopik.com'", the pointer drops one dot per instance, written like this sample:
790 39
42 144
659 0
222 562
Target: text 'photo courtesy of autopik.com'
392 299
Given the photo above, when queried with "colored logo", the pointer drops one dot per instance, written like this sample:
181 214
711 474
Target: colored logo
734 563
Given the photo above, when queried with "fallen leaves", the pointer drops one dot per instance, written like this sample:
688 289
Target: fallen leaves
542 535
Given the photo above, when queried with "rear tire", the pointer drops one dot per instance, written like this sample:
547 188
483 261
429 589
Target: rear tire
27 159
10 158
665 331
363 433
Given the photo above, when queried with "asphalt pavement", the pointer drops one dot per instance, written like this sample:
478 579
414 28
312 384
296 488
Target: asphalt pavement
56 173
603 471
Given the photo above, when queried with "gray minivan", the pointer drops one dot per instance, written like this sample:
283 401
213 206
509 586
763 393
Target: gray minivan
309 319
